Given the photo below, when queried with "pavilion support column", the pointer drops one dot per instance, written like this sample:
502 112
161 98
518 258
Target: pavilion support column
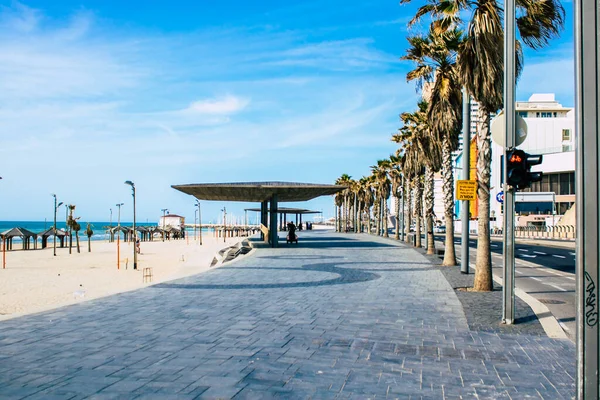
264 206
285 221
300 219
273 227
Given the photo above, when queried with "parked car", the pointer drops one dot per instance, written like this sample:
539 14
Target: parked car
439 229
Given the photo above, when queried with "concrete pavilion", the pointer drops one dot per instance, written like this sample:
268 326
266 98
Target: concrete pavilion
268 194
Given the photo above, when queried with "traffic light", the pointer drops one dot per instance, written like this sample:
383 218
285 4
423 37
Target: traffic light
519 168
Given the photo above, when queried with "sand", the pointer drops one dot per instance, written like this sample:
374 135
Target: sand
35 280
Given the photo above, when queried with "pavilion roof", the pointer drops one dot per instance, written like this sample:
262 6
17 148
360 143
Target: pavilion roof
258 191
18 231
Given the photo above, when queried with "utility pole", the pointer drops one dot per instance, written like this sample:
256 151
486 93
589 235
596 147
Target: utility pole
164 211
119 236
508 282
587 95
466 169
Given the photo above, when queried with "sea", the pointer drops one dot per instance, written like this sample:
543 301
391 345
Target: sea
99 228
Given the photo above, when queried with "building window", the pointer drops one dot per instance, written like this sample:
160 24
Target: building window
522 114
555 115
566 135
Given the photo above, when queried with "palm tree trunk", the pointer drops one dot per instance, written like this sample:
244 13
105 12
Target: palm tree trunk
89 244
407 212
418 204
397 233
339 218
77 238
448 189
354 214
385 218
429 199
377 214
483 263
359 217
369 229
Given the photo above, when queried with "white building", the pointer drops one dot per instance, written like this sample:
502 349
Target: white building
173 220
550 132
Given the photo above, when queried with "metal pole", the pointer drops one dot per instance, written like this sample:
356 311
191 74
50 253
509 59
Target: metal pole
508 284
199 221
587 103
164 210
119 237
54 224
466 169
224 223
134 233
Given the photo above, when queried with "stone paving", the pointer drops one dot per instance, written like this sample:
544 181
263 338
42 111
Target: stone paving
336 316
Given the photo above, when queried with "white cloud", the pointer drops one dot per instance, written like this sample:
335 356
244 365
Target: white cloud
223 105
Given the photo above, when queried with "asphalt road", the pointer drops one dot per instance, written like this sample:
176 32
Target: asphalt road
545 270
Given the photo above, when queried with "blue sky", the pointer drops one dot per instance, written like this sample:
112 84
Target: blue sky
93 93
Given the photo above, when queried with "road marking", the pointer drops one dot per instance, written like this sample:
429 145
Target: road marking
522 249
557 287
557 256
569 278
564 326
494 245
573 254
528 256
518 272
535 279
539 252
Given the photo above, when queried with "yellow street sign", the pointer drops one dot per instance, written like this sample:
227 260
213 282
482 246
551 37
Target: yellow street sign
466 190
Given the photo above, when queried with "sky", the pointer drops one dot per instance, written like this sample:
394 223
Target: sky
94 93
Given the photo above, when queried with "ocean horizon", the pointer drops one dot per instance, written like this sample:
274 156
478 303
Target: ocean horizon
99 227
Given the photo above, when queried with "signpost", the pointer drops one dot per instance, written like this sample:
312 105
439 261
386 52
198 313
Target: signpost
466 190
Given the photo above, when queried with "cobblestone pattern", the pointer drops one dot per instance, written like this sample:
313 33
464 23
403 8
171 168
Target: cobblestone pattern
336 316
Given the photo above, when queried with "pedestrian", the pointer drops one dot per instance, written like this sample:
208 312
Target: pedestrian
137 246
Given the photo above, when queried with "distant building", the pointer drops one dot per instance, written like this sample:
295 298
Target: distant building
173 220
550 132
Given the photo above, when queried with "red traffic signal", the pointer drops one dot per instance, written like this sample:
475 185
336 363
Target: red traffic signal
518 168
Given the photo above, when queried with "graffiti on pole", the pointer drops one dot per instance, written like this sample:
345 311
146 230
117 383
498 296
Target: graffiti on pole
591 312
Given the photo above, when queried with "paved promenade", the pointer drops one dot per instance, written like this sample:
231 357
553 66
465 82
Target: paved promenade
336 316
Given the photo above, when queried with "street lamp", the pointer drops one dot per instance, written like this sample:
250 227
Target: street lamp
224 222
55 208
164 210
199 219
134 234
119 236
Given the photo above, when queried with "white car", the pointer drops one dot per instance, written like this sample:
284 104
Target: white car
439 229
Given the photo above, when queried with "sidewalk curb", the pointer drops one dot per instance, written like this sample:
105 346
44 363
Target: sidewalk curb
543 314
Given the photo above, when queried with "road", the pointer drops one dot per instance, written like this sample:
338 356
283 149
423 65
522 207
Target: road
544 269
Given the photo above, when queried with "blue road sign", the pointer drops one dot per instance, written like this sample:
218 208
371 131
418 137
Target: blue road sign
500 197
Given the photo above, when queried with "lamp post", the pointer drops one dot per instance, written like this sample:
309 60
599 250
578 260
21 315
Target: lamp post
134 234
224 222
110 223
119 236
195 222
55 209
199 220
164 210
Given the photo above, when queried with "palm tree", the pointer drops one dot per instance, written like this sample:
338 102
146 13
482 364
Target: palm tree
480 67
383 188
89 232
345 180
397 164
435 56
339 200
73 226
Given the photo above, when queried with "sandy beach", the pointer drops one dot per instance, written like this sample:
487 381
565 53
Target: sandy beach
35 280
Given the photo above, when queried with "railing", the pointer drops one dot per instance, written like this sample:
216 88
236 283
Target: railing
544 232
